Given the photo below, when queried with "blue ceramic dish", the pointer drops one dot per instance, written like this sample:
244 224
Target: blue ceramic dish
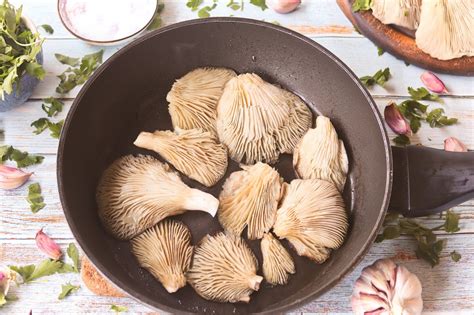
27 82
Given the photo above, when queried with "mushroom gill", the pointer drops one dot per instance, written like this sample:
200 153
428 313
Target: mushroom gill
446 28
250 198
404 13
250 115
193 98
224 269
312 218
321 155
193 152
135 193
165 250
277 262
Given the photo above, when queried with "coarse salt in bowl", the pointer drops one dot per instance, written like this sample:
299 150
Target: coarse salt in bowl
106 21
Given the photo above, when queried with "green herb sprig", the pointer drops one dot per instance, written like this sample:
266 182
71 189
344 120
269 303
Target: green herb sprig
380 78
429 248
118 308
67 289
423 94
22 158
34 198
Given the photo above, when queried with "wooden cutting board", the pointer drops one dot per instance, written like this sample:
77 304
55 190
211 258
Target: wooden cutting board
401 43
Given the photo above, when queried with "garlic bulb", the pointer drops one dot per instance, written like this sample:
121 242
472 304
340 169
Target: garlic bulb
404 13
277 262
135 193
193 152
165 250
320 154
193 98
224 269
312 218
253 119
250 198
387 288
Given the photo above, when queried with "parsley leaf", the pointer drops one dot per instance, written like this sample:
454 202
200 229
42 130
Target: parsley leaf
380 51
401 140
44 123
67 289
455 256
52 106
22 159
194 4
451 225
118 308
47 28
380 77
259 3
423 94
66 60
35 199
436 118
33 272
414 111
204 12
73 253
234 5
40 125
361 5
157 22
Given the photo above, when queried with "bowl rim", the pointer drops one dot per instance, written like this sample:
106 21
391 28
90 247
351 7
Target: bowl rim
352 263
102 42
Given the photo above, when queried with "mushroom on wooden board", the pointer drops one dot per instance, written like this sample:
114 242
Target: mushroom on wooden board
404 13
224 269
165 250
312 218
193 152
277 262
250 198
321 155
193 98
446 28
136 193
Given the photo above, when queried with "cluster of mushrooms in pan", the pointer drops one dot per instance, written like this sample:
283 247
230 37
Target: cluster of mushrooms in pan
443 27
218 114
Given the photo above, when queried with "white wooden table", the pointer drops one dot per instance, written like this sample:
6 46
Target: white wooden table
446 288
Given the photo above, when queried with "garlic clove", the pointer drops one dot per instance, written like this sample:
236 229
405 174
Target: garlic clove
47 245
7 276
12 177
395 120
454 145
283 6
433 83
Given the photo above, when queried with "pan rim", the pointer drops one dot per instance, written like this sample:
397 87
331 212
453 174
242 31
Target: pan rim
364 248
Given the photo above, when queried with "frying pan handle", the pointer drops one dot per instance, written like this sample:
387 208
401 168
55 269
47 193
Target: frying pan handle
428 181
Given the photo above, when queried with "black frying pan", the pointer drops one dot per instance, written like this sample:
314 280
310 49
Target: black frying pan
127 95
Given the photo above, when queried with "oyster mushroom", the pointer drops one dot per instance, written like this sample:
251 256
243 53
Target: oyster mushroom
277 262
445 30
193 98
387 288
135 193
320 154
404 13
165 250
250 198
312 218
224 269
250 115
193 152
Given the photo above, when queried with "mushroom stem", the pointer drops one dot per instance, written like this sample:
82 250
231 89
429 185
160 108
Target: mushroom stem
199 200
254 282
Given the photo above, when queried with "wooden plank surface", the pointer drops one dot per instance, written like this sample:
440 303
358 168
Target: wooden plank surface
447 287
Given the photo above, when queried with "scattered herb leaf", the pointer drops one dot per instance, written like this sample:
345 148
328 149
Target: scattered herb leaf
380 51
33 272
401 140
451 224
22 159
436 118
118 308
194 4
47 28
35 199
234 5
66 60
414 111
157 22
423 94
3 301
73 253
67 289
455 256
204 12
380 77
44 123
259 3
361 5
52 106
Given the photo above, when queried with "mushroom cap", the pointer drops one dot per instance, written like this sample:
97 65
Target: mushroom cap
321 155
250 115
165 250
404 13
193 152
224 269
250 198
446 29
312 218
277 262
193 98
135 193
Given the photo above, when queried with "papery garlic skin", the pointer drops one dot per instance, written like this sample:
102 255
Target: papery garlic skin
387 288
47 245
283 6
453 144
433 83
12 177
